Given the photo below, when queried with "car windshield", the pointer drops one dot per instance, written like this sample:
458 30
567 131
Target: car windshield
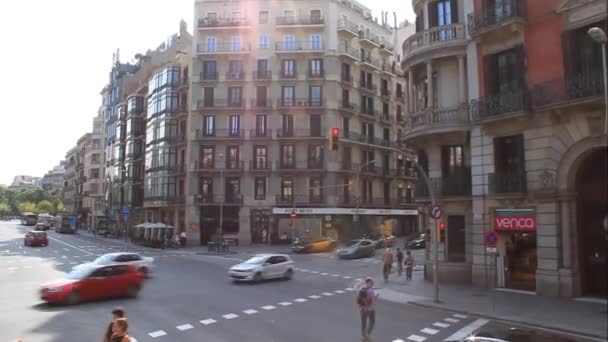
255 261
104 259
80 273
353 242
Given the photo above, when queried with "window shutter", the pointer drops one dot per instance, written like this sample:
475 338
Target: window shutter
454 11
489 74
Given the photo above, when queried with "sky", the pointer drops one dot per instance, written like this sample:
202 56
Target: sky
56 56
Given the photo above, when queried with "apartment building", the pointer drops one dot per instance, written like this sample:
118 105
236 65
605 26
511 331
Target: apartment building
270 80
533 142
93 187
69 177
53 179
80 179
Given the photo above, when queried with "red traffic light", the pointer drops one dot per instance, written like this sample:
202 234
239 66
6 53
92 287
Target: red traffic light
335 131
442 225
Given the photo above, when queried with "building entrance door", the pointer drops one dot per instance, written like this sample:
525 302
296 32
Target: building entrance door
520 260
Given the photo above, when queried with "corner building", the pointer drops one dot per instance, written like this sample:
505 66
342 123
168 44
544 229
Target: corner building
270 79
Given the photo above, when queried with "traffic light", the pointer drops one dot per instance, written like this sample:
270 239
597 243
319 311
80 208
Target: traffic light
441 231
334 137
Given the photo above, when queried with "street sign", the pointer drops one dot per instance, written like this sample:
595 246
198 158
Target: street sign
491 250
293 215
125 214
73 222
490 238
436 212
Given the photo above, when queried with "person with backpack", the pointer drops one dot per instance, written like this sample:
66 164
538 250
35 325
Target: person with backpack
399 261
409 264
365 299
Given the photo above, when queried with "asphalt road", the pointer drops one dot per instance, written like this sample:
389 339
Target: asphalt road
189 298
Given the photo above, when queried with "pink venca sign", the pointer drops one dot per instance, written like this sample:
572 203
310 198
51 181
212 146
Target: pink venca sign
515 219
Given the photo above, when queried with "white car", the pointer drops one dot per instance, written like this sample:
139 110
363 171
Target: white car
143 264
263 266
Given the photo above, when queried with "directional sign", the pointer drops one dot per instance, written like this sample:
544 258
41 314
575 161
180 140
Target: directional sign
436 212
125 214
490 239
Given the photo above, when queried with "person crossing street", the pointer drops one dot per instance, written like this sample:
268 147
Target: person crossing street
399 261
387 264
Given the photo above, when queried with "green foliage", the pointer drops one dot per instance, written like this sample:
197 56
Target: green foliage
44 206
27 207
31 200
59 207
4 209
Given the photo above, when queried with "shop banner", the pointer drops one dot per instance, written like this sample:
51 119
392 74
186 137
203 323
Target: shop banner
515 220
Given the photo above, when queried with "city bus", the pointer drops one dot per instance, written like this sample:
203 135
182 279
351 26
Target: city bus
29 219
65 223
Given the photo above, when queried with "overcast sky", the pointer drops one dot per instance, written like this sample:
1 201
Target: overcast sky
56 56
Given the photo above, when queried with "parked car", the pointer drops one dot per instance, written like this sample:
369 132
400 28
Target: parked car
261 267
317 246
35 238
93 282
357 249
385 241
415 241
144 265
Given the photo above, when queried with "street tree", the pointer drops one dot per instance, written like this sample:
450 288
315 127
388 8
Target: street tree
27 207
4 209
44 206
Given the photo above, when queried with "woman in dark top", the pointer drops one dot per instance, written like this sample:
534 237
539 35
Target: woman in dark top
121 327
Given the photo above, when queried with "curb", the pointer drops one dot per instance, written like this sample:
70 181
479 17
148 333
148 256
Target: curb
511 321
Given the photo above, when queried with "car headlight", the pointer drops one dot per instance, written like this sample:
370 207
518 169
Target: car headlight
54 289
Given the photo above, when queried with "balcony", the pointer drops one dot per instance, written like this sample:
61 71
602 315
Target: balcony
211 199
262 75
434 121
348 28
304 165
506 17
456 185
498 106
260 165
346 79
216 166
299 133
367 111
365 139
262 103
160 200
386 48
507 183
385 92
369 39
235 76
300 21
288 200
440 38
368 87
348 107
287 103
299 47
318 74
220 133
288 76
574 89
388 68
371 62
206 77
260 133
207 24
350 53
225 104
223 49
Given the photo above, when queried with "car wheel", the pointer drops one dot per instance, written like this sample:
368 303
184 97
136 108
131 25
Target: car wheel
257 277
132 291
288 274
73 298
144 271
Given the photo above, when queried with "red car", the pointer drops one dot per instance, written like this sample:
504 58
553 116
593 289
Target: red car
94 282
36 239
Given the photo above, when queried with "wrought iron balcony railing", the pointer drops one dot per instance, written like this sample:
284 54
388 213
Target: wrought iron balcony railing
495 12
499 104
507 182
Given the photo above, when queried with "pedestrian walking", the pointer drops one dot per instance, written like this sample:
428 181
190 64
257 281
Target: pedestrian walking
182 238
409 264
264 235
116 314
399 261
366 299
387 265
121 331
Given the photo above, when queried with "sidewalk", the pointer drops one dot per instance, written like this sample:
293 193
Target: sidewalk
561 314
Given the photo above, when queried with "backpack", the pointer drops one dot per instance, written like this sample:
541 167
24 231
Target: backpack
362 296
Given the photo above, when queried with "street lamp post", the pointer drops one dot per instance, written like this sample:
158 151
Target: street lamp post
358 198
221 233
600 37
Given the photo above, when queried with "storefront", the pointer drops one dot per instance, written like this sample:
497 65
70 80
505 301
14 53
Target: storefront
517 259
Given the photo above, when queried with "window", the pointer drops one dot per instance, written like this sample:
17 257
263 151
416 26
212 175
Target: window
211 44
208 156
261 157
287 189
316 67
346 158
287 96
287 125
235 125
315 16
95 158
235 43
315 95
94 188
345 126
209 70
208 125
288 68
233 160
262 66
261 124
367 187
287 156
503 71
264 43
509 165
235 68
206 185
94 173
263 17
233 188
96 144
315 156
289 42
452 160
260 188
315 42
208 96
315 185
315 125
455 231
235 96
261 100
385 110
346 98
386 135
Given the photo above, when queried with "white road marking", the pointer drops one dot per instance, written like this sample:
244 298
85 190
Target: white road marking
467 330
300 300
230 316
73 263
346 277
65 249
27 266
327 294
314 272
323 273
335 275
12 268
303 270
349 289
429 331
451 320
24 260
64 257
285 303
441 325
67 244
399 340
208 321
269 307
314 297
184 327
250 311
459 316
59 264
157 333
416 338
339 291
